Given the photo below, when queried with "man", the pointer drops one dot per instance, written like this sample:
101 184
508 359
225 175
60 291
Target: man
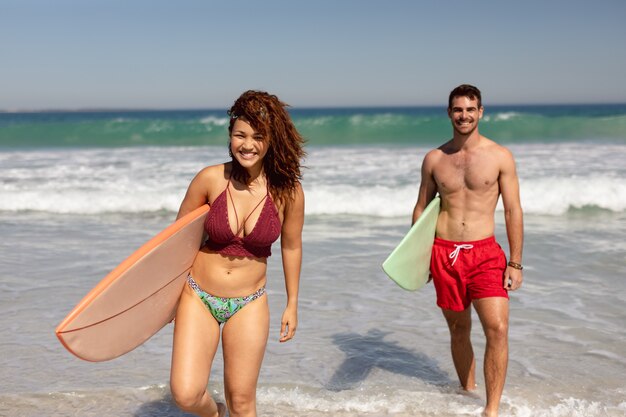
468 267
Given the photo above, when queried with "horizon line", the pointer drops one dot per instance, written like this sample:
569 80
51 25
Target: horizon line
328 107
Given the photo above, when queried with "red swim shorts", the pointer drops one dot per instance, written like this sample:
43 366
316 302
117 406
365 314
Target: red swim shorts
466 271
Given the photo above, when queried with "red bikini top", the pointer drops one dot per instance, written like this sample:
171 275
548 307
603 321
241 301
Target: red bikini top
256 244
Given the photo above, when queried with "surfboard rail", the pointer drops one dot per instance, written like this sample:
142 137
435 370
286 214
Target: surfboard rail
408 265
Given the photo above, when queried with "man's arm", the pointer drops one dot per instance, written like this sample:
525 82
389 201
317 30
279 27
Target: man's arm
428 186
513 216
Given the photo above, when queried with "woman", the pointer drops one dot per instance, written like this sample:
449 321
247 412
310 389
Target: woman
254 198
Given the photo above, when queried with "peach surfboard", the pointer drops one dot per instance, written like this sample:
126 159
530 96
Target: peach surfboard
137 298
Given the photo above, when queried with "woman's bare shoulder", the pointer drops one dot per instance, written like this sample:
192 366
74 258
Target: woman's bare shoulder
213 173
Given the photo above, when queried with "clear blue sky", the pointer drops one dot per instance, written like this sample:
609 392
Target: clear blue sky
203 54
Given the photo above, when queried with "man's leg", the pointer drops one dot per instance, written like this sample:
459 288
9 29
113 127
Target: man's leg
460 325
494 317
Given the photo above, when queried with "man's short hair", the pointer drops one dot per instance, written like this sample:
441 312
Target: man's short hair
465 90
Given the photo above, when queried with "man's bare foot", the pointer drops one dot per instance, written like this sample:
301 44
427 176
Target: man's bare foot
467 393
488 413
470 391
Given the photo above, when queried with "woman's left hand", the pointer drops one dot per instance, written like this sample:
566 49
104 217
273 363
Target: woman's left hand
288 324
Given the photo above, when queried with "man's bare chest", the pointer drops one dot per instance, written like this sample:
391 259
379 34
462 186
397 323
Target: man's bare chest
474 173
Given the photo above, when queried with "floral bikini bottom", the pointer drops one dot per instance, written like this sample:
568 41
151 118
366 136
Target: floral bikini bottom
223 308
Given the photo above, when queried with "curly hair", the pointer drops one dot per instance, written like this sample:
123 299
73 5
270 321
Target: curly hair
268 116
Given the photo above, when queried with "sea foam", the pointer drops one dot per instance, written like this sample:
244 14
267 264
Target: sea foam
360 181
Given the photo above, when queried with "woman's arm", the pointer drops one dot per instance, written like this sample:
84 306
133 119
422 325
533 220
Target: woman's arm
291 249
198 191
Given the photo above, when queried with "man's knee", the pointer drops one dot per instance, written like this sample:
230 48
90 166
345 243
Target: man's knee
460 326
497 331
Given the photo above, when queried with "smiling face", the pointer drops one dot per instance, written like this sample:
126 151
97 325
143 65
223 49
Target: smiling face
465 113
247 145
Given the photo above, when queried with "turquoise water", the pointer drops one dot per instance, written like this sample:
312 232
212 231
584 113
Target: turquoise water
349 126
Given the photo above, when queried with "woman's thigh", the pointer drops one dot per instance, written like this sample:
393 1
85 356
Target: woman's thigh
244 339
196 336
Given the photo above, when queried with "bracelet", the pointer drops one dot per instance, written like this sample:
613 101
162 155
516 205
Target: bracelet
515 265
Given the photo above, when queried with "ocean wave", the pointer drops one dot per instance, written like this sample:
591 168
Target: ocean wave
559 195
307 401
502 117
361 181
568 407
429 400
90 203
215 121
552 196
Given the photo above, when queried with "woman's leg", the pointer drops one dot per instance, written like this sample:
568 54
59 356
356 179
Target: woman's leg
196 335
244 338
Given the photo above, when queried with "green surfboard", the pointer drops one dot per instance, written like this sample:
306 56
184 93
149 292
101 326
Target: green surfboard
409 263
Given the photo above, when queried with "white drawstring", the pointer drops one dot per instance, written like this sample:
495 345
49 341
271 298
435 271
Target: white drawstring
455 253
